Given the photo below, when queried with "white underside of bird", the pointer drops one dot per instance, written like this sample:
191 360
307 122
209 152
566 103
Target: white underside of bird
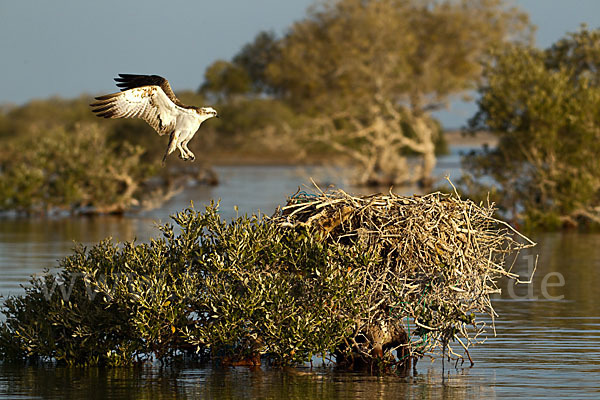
150 98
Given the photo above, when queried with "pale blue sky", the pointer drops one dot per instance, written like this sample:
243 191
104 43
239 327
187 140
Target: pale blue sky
69 47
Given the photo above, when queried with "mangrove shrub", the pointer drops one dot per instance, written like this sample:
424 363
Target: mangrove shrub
75 169
373 282
234 292
544 107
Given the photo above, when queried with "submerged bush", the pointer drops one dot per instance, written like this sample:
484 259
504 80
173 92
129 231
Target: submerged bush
74 169
231 291
543 106
376 281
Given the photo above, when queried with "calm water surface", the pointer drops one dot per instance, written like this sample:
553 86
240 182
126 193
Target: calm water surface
547 342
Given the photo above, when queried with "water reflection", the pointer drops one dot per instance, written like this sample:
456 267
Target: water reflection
27 246
235 383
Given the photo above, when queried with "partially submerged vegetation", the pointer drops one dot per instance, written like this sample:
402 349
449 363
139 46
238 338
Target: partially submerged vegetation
78 170
373 282
438 260
71 169
543 105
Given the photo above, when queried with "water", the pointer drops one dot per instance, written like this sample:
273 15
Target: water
548 334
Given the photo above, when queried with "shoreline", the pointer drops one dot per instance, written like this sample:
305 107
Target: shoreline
454 138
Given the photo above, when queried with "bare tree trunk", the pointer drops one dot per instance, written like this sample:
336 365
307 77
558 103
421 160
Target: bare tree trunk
377 144
426 137
429 160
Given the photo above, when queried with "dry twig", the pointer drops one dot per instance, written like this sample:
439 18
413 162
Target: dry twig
440 259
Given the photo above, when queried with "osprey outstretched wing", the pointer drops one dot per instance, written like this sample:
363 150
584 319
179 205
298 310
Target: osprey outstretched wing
151 98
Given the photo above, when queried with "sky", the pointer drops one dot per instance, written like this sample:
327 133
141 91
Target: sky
70 47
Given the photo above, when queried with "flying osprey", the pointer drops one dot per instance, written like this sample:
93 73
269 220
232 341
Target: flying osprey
151 98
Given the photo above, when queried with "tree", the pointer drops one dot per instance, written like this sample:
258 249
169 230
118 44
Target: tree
255 57
544 106
370 73
225 79
75 169
580 51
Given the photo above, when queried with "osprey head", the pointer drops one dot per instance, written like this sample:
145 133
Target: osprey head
207 111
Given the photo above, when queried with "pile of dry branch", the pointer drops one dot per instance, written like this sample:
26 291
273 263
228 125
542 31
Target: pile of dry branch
439 260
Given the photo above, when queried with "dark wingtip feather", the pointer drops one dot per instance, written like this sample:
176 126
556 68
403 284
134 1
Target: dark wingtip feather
130 77
132 81
102 107
107 96
105 114
126 76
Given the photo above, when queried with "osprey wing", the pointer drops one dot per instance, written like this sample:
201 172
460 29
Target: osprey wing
131 81
149 103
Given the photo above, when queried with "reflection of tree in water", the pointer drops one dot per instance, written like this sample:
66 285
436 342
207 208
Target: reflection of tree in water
205 382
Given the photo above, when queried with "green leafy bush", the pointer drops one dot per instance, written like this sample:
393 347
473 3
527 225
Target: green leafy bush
377 282
543 105
219 290
74 169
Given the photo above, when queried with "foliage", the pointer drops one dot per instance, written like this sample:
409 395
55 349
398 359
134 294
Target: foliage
31 120
544 107
368 73
315 279
579 51
256 56
38 115
222 290
251 115
225 79
70 168
350 49
440 258
260 127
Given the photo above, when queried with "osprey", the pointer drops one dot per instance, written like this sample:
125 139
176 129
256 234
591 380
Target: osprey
151 98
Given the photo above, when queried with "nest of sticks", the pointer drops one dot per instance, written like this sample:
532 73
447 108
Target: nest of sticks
440 258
